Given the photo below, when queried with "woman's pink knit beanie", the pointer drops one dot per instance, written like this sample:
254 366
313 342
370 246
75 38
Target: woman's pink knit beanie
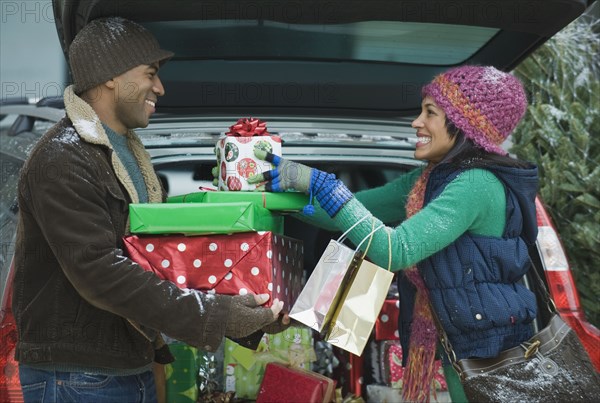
485 103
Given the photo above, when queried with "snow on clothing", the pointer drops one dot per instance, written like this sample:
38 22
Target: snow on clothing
465 253
73 287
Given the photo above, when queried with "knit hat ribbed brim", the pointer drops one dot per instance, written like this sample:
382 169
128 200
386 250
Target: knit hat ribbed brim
483 102
108 47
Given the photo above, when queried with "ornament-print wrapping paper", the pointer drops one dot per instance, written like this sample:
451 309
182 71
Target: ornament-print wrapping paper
235 153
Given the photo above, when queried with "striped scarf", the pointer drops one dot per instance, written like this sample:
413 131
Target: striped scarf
418 375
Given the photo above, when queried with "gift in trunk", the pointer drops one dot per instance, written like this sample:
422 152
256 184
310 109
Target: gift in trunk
390 360
285 384
243 373
281 202
202 218
245 368
349 374
386 327
250 262
181 374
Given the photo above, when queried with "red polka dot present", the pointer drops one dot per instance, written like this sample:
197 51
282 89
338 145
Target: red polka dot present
235 153
249 262
386 326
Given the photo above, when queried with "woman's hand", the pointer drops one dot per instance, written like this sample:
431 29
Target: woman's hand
215 173
331 193
287 175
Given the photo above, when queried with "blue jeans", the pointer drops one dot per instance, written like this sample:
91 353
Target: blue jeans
41 386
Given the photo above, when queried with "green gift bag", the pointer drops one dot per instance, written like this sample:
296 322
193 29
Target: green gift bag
281 202
202 218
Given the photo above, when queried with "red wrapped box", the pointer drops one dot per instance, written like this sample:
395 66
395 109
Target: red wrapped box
241 263
386 326
285 384
348 374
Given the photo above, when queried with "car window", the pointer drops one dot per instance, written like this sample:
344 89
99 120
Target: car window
379 41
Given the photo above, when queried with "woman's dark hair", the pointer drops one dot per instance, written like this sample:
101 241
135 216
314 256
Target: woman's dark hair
465 154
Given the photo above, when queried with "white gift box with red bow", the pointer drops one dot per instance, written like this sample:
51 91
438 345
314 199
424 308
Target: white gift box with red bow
235 153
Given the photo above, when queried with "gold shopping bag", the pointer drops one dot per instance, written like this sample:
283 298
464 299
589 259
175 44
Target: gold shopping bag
344 295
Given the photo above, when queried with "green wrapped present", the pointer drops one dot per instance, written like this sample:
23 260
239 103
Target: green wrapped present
293 346
202 218
181 375
282 202
244 369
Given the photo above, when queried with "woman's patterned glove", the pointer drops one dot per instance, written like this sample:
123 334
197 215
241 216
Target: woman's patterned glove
331 193
287 175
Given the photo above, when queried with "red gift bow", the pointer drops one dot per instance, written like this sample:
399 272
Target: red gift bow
248 127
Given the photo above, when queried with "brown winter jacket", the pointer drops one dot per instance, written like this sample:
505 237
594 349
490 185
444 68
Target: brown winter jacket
76 294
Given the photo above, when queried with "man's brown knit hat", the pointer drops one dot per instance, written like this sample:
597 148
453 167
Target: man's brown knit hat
108 47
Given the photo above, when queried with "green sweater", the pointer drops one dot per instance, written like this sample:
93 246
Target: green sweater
465 205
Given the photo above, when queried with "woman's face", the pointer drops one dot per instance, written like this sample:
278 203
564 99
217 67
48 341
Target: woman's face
434 140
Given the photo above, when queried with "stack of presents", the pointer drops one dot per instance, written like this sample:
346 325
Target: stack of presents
231 241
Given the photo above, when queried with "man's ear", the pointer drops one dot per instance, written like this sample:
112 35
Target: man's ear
112 84
94 95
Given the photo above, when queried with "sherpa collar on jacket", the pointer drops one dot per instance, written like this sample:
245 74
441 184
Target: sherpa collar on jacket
88 126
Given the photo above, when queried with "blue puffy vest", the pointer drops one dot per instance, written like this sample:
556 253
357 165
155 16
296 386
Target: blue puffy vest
474 283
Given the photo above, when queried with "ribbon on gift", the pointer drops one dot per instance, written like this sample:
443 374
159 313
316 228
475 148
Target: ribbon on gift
293 359
248 127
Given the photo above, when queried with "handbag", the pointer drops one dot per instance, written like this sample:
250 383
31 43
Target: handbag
552 366
344 294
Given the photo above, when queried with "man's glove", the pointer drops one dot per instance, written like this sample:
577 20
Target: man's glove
331 193
281 324
247 316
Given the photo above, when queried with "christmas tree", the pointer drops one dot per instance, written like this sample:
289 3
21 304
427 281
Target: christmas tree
561 134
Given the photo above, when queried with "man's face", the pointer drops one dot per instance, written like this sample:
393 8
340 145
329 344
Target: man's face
136 93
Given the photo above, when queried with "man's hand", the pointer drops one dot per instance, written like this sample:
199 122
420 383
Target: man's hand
247 316
282 323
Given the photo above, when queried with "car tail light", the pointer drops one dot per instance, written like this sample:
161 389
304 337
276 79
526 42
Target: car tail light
10 386
562 286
